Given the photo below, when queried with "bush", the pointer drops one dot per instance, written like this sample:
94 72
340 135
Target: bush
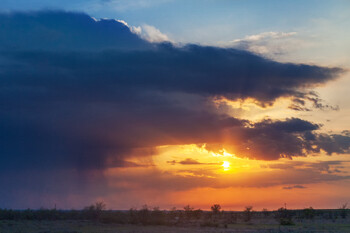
248 213
215 208
284 216
344 210
309 213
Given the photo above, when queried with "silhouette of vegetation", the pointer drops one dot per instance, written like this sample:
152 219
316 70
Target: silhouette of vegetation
344 210
309 213
188 216
215 208
144 215
265 212
248 213
188 211
94 211
284 216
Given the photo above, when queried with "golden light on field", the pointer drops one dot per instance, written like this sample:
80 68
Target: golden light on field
226 165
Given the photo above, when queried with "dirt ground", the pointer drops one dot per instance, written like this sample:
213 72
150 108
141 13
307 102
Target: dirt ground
91 227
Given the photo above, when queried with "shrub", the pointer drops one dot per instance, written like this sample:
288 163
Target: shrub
309 213
215 208
248 213
344 210
284 216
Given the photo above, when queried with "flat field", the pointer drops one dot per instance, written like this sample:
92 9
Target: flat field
67 226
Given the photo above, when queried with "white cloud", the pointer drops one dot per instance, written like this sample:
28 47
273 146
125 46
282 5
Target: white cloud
136 30
123 22
133 29
267 35
153 34
268 43
146 32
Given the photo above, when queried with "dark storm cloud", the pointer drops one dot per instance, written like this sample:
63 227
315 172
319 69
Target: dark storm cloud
55 30
273 139
193 69
108 49
76 93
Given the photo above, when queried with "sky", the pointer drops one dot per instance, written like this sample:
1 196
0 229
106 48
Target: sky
161 102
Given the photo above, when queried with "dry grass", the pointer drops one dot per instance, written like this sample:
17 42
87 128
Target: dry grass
94 227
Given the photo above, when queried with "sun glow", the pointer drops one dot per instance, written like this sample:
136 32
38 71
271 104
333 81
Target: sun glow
174 159
223 153
226 165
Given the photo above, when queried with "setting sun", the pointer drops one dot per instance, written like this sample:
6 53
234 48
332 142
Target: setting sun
226 165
